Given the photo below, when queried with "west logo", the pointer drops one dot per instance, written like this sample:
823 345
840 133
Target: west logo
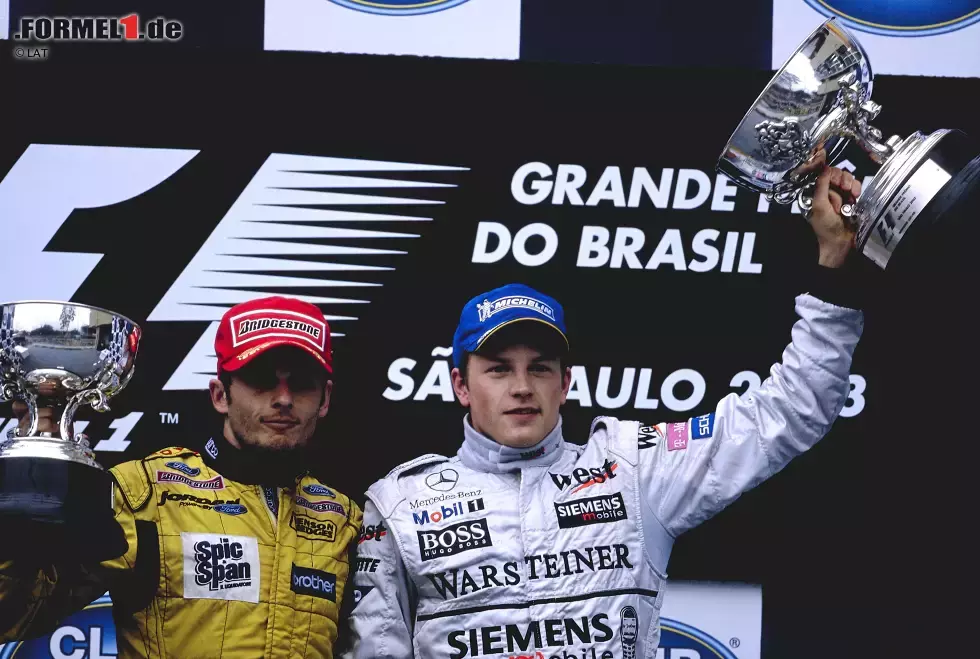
372 533
595 510
585 477
648 437
454 539
307 581
445 512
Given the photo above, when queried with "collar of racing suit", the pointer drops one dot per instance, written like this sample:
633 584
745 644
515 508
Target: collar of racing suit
481 453
254 466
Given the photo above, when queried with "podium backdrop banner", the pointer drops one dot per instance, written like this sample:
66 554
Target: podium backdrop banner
391 190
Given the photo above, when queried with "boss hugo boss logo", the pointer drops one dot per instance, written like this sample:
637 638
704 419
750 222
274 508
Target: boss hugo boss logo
454 539
594 510
215 483
456 583
319 530
551 633
445 512
307 581
443 481
221 567
585 477
185 469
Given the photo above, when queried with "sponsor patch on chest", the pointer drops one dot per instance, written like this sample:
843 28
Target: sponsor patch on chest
313 529
320 506
454 539
216 483
220 566
593 510
317 583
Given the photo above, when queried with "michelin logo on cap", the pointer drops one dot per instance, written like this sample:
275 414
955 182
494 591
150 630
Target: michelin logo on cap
487 308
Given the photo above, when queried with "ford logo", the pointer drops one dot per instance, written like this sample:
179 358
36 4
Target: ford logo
398 7
181 467
231 508
319 491
901 18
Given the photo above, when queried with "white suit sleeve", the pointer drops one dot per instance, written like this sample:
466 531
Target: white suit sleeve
382 618
690 471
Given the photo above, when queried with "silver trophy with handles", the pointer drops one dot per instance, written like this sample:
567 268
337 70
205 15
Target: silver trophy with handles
56 358
812 108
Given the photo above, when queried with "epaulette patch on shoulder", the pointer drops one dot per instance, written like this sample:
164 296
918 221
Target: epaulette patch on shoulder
599 421
172 452
135 478
406 467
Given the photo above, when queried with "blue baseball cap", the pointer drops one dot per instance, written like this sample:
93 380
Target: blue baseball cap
486 313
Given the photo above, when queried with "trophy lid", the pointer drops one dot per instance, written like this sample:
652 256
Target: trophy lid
788 122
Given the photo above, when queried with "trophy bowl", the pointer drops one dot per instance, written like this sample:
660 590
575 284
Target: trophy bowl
814 106
56 357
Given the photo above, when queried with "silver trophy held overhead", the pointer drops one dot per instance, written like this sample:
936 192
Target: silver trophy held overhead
57 357
817 102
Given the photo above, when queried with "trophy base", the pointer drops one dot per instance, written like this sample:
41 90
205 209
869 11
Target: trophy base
57 510
905 194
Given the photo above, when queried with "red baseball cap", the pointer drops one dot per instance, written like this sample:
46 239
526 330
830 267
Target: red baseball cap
250 328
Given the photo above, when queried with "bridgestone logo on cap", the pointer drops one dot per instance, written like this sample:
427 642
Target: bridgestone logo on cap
266 323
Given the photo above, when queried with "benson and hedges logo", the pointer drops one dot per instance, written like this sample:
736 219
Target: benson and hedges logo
399 7
901 18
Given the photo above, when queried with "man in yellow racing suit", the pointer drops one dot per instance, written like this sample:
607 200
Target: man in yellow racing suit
235 551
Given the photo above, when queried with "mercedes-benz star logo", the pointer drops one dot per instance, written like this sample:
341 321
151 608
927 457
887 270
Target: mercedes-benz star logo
444 481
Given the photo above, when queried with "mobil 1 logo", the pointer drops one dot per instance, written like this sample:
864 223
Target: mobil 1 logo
221 567
454 539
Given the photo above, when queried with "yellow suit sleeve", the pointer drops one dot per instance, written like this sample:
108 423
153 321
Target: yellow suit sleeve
34 599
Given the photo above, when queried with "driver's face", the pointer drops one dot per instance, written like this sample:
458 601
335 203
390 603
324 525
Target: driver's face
275 401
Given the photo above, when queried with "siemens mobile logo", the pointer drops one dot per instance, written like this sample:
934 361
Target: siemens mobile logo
901 18
399 7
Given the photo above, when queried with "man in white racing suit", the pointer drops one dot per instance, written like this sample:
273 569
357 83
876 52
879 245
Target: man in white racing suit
523 545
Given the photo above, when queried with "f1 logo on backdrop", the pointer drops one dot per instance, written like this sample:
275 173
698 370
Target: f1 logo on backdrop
275 228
